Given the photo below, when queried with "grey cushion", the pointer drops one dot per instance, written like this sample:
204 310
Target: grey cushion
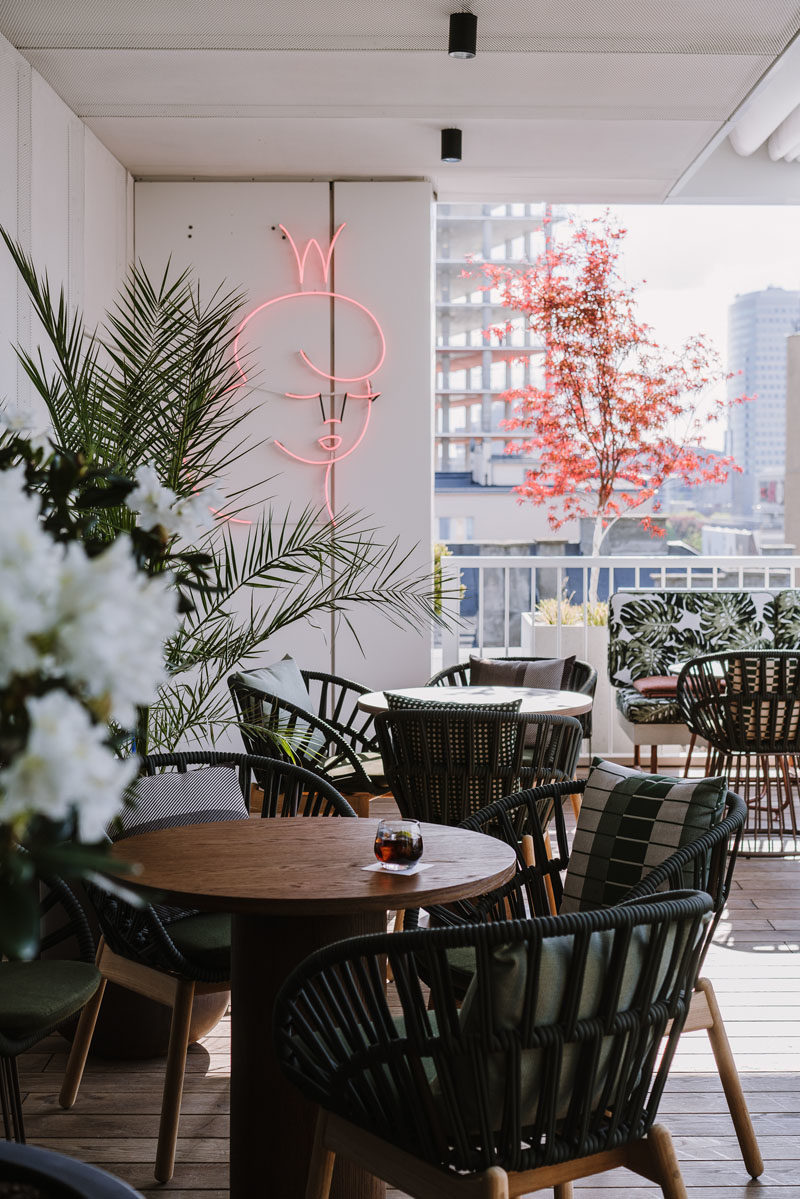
284 680
629 823
552 674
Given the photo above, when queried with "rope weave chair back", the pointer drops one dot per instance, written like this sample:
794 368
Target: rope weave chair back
446 762
142 933
582 677
335 699
744 702
555 1053
273 727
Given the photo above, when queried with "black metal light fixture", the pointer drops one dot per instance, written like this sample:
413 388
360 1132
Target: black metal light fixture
451 145
463 40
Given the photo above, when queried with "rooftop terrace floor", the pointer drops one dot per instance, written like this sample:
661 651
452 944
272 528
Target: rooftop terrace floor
754 965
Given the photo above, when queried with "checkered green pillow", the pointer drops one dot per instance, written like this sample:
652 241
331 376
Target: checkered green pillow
628 824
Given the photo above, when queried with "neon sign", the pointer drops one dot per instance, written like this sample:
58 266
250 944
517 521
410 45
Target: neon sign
359 394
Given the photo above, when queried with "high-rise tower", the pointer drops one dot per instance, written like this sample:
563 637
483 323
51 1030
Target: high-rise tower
758 325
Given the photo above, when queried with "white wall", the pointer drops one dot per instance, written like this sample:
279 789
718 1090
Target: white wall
65 198
230 232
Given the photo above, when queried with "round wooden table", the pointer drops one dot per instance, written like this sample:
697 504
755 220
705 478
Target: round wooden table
535 700
293 886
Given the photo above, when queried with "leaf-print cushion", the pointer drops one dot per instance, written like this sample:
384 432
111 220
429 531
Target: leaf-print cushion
651 630
786 621
648 709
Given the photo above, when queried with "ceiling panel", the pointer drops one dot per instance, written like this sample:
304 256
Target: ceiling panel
580 99
594 26
661 87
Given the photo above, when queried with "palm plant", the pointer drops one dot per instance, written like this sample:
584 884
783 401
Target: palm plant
159 384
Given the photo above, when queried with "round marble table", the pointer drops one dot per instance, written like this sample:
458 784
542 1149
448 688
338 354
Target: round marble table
535 700
293 886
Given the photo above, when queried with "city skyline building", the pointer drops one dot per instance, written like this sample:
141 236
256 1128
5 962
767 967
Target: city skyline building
758 324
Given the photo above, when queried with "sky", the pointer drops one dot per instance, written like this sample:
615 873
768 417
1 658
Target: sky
695 259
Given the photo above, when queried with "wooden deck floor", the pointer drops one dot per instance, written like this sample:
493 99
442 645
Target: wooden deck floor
755 967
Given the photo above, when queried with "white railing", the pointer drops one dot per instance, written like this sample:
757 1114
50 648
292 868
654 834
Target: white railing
495 616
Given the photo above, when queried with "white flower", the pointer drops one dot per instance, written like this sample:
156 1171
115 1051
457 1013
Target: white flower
183 517
20 422
151 499
65 765
29 566
112 622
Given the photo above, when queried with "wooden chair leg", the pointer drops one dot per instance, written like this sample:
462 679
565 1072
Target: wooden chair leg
575 800
496 1183
529 857
359 801
731 1084
562 1190
320 1169
76 1062
666 1163
692 743
654 759
173 1081
637 755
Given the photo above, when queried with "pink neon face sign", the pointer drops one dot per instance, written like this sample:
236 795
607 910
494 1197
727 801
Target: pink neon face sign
345 400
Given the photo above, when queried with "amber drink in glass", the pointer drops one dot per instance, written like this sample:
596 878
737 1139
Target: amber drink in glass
398 844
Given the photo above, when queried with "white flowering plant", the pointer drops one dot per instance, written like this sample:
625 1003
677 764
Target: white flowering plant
84 619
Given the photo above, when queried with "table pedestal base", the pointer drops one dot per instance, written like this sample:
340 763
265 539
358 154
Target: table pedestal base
272 1124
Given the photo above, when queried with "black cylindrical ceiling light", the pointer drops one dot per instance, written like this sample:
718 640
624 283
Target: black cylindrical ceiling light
463 40
451 145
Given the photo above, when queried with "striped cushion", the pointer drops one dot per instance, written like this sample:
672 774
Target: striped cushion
628 824
172 799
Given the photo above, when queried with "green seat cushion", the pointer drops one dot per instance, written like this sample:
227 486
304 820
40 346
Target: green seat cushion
339 771
35 996
204 939
647 709
628 824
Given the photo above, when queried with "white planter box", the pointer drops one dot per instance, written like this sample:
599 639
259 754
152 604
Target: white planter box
590 644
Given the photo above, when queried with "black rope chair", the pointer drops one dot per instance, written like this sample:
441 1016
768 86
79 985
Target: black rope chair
704 864
445 762
336 740
171 954
582 677
551 1070
746 705
26 1170
37 996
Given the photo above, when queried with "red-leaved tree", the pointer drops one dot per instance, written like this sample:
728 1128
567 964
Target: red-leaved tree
617 414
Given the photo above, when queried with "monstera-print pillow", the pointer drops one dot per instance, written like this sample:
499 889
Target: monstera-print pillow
651 631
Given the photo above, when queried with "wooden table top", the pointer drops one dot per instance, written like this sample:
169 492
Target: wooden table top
301 866
537 701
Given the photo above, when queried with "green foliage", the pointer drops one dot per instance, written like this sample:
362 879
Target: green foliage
549 611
